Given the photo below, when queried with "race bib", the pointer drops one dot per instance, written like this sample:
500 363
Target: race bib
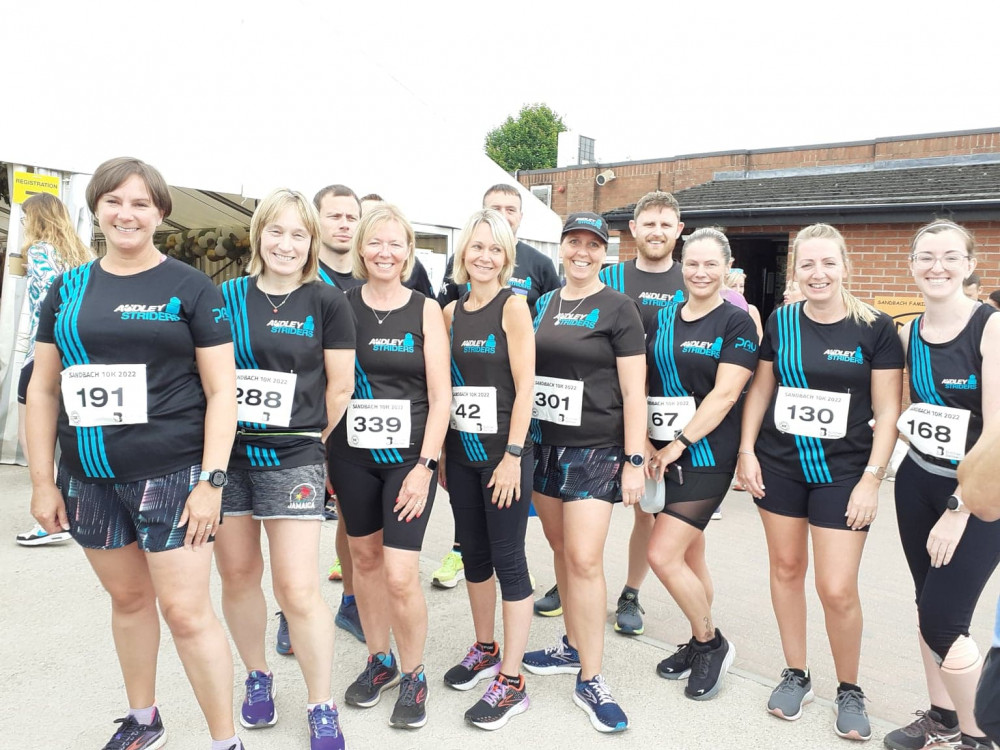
666 417
558 400
378 423
474 409
265 397
99 395
938 431
811 413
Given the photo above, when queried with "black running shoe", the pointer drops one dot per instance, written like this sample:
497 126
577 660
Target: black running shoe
366 691
502 700
914 735
677 666
132 735
708 668
410 711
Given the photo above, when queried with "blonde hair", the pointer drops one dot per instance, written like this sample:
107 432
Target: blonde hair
502 235
939 226
47 220
857 310
267 211
369 224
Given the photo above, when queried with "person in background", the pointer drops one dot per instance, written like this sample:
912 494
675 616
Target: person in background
51 246
994 299
294 340
145 444
736 282
814 471
792 293
533 275
953 358
972 287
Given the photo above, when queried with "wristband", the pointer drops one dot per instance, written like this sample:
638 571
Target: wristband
682 438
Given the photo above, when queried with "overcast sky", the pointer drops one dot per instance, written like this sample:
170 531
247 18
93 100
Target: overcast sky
652 79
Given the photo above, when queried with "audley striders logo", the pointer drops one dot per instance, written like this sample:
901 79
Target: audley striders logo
404 344
170 312
958 384
293 327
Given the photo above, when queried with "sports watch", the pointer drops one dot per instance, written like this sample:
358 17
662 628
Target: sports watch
216 478
428 463
515 450
955 504
636 459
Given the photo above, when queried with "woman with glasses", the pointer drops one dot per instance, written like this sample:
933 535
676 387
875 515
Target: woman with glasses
953 358
828 366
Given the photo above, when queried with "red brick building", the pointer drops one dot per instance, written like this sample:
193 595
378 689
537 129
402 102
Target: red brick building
876 192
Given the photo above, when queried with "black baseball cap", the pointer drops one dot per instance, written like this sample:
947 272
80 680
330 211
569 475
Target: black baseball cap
585 220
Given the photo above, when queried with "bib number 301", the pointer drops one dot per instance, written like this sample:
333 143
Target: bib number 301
812 413
558 400
104 395
378 423
938 431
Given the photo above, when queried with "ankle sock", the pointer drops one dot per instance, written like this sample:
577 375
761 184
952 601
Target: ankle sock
387 660
949 717
143 715
799 672
489 648
845 686
457 549
629 590
347 599
233 741
328 703
515 682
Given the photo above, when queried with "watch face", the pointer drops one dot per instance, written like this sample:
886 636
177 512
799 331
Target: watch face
218 478
636 459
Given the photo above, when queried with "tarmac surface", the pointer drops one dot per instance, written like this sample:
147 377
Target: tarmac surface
62 688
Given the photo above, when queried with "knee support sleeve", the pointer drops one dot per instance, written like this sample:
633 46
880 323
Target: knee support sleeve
963 656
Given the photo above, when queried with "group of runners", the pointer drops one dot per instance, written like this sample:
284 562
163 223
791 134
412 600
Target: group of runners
190 418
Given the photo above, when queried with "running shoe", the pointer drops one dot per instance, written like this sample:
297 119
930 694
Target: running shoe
502 700
283 642
852 718
914 735
452 571
549 605
324 728
366 691
258 705
677 666
531 580
336 572
132 735
965 743
476 665
716 514
630 612
790 695
39 536
330 511
559 659
594 697
348 619
708 669
410 711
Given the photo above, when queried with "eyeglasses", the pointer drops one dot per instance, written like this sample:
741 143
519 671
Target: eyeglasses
926 261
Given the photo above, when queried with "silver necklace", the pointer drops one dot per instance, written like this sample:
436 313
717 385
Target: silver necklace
560 313
380 320
275 307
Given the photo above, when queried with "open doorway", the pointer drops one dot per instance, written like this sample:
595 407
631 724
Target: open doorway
764 259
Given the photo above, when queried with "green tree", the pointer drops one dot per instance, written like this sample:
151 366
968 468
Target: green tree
528 141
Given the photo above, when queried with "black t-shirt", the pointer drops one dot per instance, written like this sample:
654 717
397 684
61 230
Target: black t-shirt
651 291
314 318
581 345
533 276
837 357
682 359
951 373
389 365
418 281
480 358
154 318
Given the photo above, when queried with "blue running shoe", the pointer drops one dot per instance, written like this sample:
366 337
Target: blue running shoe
324 728
258 707
348 619
559 659
594 697
283 643
132 735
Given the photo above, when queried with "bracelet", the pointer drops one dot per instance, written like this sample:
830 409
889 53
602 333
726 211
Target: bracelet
682 439
746 453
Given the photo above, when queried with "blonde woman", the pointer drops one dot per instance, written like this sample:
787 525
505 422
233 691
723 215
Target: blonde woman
51 246
294 343
828 366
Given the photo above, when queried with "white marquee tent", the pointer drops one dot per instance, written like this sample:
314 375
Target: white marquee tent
229 100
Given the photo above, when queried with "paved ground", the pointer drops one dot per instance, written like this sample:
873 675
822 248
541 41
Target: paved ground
61 681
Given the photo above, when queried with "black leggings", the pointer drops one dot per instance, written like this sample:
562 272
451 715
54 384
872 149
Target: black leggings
946 596
988 696
492 538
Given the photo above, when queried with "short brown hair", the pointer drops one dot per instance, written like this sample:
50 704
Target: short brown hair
369 223
503 187
335 190
112 173
656 199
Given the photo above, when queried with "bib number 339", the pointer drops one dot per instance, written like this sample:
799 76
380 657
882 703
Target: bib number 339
812 413
104 395
558 400
378 423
